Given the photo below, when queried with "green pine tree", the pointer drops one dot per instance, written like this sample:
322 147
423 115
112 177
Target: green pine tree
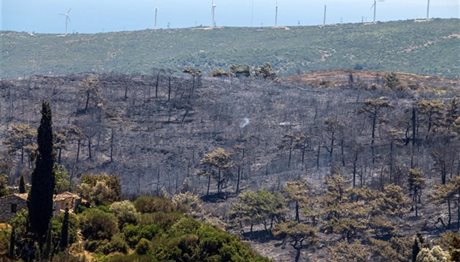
40 202
22 185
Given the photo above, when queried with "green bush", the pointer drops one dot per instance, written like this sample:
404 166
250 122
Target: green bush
116 245
4 241
143 247
98 225
152 204
133 234
164 220
125 212
201 243
132 258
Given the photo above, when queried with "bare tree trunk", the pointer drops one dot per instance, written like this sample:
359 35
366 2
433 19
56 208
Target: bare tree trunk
355 162
169 88
297 216
374 125
156 85
90 156
87 100
318 152
449 213
78 149
238 180
111 145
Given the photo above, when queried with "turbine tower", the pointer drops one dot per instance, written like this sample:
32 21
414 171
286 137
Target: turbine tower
375 9
428 10
276 14
213 10
252 14
156 17
324 17
67 19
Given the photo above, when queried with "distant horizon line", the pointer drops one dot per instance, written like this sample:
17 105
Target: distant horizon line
209 27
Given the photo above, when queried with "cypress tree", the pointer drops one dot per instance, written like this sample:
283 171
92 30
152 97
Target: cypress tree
40 201
64 241
47 251
12 243
22 185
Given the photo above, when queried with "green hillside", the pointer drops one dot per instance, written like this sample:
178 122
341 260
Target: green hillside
418 47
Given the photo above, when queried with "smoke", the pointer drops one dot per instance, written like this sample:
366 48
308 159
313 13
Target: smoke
244 122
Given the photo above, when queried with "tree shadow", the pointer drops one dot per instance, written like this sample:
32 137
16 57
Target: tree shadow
260 236
217 197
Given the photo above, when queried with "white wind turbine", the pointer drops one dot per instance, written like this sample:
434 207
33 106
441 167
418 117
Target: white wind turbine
213 11
156 18
276 14
67 19
428 10
375 8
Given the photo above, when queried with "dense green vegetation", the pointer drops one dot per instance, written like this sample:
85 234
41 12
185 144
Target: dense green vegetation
148 229
417 47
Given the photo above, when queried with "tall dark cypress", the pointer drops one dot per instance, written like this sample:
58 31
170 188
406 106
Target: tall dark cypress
40 202
11 252
64 241
22 185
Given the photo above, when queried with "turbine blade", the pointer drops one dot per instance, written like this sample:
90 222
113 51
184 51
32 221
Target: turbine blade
70 9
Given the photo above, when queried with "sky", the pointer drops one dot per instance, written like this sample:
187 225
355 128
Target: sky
93 16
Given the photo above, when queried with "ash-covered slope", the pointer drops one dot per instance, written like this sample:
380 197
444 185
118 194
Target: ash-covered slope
154 138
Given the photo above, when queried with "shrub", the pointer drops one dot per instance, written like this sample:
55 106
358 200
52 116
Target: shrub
189 203
143 247
163 220
116 245
185 226
125 212
151 204
97 224
134 233
100 188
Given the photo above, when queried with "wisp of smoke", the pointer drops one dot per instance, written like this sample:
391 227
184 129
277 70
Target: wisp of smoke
244 122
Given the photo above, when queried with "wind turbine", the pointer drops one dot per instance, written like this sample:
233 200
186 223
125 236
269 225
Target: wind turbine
324 17
252 14
276 14
375 8
156 17
213 10
67 19
428 10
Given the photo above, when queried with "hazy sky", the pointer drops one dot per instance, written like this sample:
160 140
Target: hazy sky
89 16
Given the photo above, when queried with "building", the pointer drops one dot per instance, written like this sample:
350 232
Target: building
65 200
11 204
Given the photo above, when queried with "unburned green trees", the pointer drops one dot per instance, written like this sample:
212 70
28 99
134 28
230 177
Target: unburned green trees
259 207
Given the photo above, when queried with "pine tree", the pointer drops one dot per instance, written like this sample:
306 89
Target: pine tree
64 241
22 185
40 202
